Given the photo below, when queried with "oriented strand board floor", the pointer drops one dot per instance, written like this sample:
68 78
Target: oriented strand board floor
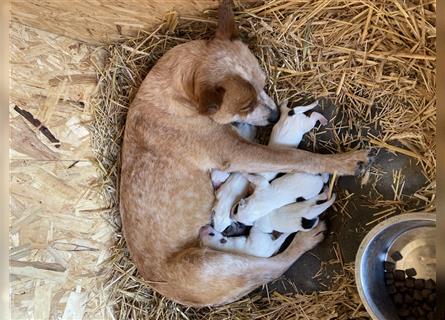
58 236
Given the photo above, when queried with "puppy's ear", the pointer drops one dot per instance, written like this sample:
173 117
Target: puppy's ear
210 99
227 28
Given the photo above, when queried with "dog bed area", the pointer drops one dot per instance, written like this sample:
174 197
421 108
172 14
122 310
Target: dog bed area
374 74
370 63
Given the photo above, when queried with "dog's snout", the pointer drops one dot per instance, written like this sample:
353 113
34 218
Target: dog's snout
273 116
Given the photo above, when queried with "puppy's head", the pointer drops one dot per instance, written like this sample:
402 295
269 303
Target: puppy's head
230 83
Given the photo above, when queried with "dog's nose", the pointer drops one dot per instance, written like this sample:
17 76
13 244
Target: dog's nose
273 116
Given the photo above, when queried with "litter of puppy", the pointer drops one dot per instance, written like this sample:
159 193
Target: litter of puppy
273 205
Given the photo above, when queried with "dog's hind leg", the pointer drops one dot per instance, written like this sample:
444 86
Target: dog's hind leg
204 277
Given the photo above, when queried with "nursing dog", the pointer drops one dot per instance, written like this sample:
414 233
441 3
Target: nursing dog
178 129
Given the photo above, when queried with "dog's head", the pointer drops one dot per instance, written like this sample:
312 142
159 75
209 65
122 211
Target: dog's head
229 82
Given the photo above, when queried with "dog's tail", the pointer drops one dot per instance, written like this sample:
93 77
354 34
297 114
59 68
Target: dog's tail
227 28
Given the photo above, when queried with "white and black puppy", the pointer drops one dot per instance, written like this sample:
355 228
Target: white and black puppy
297 216
282 191
291 127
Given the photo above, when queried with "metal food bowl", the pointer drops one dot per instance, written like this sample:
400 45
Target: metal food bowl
411 234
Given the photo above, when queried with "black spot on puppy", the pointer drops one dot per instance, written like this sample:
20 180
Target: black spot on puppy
275 235
319 202
300 199
223 240
211 234
291 113
308 223
279 175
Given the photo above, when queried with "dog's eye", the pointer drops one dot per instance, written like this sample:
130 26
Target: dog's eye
235 209
249 108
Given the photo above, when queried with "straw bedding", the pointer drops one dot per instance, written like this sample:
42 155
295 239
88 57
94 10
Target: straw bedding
375 60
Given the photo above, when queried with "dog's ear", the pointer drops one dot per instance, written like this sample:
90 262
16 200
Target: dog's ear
233 87
227 28
210 99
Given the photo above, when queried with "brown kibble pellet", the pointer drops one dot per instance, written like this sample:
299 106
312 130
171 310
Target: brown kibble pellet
403 311
419 283
389 275
396 256
417 295
389 266
432 298
399 284
409 282
426 307
399 275
398 299
411 272
392 289
389 282
426 293
430 315
430 284
407 298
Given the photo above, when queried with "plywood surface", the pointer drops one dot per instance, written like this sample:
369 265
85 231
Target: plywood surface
97 21
58 234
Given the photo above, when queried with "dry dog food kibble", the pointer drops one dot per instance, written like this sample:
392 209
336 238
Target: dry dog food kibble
389 266
411 272
413 298
396 256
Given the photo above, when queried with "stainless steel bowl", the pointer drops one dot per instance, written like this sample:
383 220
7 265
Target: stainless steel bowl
411 234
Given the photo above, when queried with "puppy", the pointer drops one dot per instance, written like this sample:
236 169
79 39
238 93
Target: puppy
298 216
178 128
291 127
257 244
227 195
278 193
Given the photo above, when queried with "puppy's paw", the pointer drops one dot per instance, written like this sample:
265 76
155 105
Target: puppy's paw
320 118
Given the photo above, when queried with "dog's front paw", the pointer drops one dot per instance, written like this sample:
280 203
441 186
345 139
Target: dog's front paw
308 240
354 162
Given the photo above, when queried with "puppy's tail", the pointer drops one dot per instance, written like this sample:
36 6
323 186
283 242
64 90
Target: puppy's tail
227 28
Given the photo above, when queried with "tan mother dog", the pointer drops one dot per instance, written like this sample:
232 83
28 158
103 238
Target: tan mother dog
178 129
